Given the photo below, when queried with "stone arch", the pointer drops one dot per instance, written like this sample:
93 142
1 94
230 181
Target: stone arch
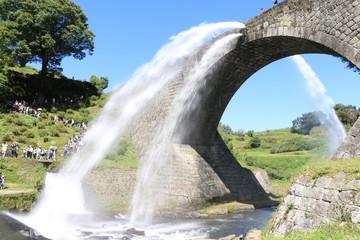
207 167
267 38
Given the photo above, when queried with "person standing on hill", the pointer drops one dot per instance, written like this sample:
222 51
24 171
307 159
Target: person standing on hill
275 2
4 149
2 181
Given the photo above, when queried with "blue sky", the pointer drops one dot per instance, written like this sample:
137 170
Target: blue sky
129 32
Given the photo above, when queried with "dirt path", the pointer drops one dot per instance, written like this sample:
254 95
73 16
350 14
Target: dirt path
10 189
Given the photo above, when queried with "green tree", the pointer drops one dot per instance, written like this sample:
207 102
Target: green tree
306 122
254 142
348 114
225 128
44 31
100 83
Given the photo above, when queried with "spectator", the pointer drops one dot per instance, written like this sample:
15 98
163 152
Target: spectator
14 150
4 149
262 10
2 181
275 2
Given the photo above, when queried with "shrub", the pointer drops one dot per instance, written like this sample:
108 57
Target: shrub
253 143
16 131
53 109
7 137
22 129
41 125
61 114
43 133
250 133
46 139
69 111
22 139
29 134
54 132
295 145
8 119
20 122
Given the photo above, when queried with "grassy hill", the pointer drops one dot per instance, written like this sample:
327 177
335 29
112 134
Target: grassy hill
284 155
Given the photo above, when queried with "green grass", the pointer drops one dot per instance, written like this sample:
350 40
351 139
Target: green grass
123 156
331 232
24 173
284 155
318 168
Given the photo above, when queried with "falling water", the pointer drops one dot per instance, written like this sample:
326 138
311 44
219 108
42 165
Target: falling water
325 104
62 196
144 199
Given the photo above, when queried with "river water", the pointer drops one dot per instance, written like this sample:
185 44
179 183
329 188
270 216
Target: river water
97 226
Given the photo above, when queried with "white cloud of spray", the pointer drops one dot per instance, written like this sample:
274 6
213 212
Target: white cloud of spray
50 216
324 103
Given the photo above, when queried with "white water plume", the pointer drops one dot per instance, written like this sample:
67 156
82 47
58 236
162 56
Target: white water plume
325 104
159 155
50 216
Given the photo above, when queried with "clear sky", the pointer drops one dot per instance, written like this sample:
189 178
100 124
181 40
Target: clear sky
129 32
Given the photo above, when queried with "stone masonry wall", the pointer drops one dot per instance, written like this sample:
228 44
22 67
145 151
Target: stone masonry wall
292 27
110 189
313 203
350 147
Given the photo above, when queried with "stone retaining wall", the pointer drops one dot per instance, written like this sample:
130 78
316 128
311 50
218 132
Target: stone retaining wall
313 203
110 189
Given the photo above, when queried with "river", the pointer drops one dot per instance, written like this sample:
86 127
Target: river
107 227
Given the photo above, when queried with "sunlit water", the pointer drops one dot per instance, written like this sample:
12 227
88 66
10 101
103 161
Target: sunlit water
91 226
60 213
323 102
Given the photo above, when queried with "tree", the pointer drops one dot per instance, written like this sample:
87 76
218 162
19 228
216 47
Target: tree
306 122
348 114
100 83
44 31
254 142
225 128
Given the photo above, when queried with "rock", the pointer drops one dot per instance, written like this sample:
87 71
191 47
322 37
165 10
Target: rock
253 235
134 231
314 204
230 237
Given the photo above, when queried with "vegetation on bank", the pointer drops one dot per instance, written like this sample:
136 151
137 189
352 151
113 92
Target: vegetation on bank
21 175
335 232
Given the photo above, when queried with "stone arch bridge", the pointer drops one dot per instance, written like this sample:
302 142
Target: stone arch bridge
202 165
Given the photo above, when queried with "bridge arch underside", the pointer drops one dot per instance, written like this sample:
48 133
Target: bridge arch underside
199 126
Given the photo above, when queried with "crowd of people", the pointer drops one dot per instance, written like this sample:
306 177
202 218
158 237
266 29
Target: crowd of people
72 146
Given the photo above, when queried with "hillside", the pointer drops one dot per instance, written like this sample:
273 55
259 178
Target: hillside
283 154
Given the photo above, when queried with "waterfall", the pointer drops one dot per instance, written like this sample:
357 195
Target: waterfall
62 195
159 153
324 103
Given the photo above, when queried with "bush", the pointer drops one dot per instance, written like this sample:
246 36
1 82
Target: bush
54 132
6 137
250 133
8 119
29 134
53 109
61 114
22 139
295 145
41 125
20 122
16 131
22 129
253 143
43 133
